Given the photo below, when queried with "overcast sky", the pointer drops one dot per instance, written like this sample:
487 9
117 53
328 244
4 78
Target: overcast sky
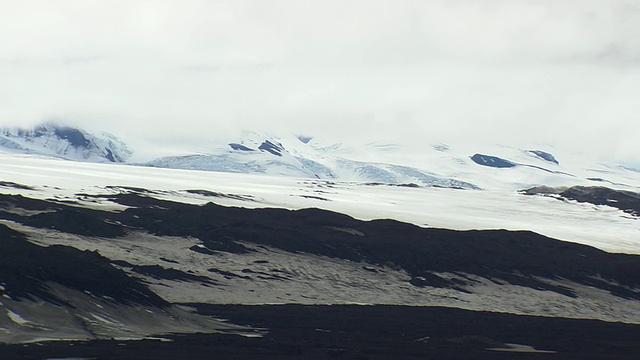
502 71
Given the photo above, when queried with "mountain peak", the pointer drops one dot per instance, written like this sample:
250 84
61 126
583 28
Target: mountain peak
71 143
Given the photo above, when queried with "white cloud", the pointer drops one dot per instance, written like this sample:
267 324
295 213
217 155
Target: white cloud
528 71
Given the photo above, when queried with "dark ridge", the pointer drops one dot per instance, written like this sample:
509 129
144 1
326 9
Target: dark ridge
26 268
74 136
496 162
409 185
109 155
220 195
275 149
131 189
19 201
544 156
516 257
314 197
626 201
9 184
169 260
239 147
398 332
492 161
76 221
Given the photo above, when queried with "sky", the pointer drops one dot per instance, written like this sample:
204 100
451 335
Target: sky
179 72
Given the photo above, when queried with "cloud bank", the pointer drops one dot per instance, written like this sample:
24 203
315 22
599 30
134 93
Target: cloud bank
415 71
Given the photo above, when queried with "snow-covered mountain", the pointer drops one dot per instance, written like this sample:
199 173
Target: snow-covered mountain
466 166
302 157
461 166
65 142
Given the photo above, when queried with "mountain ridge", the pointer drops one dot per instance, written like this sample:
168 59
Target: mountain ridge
66 142
440 165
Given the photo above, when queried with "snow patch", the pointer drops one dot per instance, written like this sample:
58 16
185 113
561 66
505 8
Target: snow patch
16 318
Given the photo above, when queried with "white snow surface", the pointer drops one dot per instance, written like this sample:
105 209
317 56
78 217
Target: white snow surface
603 227
445 165
16 318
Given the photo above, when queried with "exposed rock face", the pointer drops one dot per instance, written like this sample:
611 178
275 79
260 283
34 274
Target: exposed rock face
544 156
626 201
268 146
239 147
492 161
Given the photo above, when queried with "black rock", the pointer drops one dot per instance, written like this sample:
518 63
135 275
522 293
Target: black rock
492 161
26 270
275 149
544 156
239 147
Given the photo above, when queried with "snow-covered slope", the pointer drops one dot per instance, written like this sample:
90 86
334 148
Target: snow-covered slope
304 157
452 165
466 166
69 143
602 226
